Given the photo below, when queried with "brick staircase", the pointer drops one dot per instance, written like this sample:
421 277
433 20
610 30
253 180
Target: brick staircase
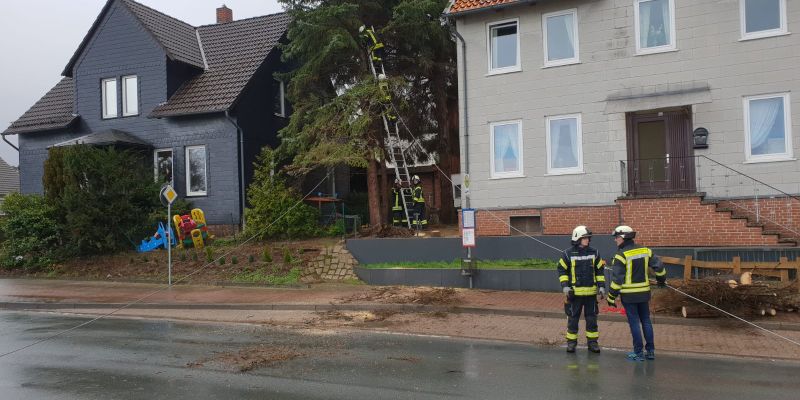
744 211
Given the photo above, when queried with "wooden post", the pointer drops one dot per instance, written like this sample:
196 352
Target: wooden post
784 271
737 265
687 269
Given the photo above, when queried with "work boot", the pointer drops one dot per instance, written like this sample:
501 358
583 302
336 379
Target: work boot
650 355
571 345
594 347
633 356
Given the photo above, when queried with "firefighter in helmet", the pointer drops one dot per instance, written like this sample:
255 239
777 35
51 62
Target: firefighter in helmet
630 281
580 271
418 211
398 213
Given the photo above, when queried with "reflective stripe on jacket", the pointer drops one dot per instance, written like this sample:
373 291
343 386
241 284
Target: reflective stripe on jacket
581 268
630 275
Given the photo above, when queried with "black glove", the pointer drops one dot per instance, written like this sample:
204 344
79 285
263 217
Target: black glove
661 281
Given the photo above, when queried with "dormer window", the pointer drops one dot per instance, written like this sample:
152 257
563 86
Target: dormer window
130 95
109 89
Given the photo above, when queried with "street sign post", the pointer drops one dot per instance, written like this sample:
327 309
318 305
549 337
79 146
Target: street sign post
168 195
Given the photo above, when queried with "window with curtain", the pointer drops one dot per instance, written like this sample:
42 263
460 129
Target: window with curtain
560 37
506 144
768 127
196 182
762 18
655 25
109 97
564 145
503 47
130 95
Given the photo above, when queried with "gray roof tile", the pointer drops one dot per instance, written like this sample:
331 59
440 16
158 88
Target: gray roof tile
9 178
177 37
53 111
233 51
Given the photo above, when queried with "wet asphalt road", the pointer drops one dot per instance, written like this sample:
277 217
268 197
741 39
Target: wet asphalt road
136 359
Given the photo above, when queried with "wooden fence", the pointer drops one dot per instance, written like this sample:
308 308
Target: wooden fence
778 269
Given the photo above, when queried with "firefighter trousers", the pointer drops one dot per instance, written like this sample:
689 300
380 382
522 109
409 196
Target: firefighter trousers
573 308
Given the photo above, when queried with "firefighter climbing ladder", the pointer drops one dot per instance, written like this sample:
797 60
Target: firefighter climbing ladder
394 146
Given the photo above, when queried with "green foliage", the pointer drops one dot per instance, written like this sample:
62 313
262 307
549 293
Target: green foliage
221 261
209 254
251 259
287 256
183 256
267 255
33 236
234 260
276 209
263 276
336 229
100 195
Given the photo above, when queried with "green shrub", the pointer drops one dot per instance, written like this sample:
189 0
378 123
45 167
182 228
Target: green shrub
33 235
336 229
102 196
251 259
267 255
221 261
276 209
234 260
287 256
209 254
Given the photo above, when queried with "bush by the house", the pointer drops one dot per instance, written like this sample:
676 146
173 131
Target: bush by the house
270 199
33 236
103 196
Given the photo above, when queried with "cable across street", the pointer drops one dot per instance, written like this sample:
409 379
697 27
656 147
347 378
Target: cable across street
151 294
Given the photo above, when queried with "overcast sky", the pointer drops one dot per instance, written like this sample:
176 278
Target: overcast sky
38 37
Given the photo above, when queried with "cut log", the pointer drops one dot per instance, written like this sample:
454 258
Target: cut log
772 312
732 283
697 312
747 278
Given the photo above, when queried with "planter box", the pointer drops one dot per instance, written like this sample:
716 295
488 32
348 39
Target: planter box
540 280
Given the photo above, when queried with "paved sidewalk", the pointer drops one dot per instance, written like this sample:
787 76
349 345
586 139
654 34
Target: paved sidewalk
514 316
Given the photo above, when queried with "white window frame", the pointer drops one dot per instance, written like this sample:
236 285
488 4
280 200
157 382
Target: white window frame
282 89
576 45
125 112
504 70
172 166
504 175
103 100
787 123
579 133
782 30
189 191
672 46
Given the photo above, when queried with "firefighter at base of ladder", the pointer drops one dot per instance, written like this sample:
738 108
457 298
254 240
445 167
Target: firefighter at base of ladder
580 272
398 214
631 282
418 219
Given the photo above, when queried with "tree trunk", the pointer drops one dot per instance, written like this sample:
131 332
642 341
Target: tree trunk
373 188
697 312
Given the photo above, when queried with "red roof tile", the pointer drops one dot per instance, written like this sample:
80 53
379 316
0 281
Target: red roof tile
460 6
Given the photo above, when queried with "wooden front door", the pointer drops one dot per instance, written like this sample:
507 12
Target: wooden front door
660 153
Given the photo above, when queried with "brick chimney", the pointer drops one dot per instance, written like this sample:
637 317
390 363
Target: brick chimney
224 14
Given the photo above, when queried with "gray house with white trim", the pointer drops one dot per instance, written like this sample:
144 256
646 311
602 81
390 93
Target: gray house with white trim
677 116
203 100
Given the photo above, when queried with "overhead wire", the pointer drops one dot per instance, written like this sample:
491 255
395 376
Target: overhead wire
154 292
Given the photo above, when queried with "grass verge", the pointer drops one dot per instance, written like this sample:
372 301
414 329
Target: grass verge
263 276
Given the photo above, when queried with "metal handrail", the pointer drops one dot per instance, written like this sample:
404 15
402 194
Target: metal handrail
750 177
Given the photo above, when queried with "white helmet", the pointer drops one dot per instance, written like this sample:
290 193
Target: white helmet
415 179
624 231
580 231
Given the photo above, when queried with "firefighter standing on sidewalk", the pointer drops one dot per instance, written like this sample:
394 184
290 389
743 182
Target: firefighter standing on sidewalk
418 217
630 280
580 272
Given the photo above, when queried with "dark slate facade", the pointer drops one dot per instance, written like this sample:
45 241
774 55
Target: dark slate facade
121 45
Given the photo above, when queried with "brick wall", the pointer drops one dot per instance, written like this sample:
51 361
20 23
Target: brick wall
685 221
776 213
555 221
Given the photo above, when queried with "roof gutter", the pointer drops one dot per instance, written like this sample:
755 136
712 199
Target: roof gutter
493 7
242 188
9 143
463 71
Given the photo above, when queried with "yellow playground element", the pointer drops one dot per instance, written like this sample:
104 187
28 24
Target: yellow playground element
192 229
